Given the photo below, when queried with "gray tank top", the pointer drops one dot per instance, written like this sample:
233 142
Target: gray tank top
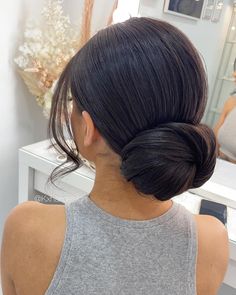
103 254
227 135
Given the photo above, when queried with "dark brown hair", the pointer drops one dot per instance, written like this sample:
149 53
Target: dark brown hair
145 87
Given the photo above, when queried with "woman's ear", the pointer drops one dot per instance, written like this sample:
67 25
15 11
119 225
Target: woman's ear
90 133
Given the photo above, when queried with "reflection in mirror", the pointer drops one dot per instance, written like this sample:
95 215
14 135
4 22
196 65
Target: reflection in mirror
224 97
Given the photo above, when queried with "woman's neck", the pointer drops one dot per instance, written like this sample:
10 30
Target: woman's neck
119 197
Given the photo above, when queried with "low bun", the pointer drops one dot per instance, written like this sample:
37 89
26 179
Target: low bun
170 159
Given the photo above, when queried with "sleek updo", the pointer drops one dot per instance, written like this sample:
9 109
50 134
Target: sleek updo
145 87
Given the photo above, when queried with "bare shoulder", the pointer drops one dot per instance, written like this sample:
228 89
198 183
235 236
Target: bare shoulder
32 220
213 254
32 241
29 209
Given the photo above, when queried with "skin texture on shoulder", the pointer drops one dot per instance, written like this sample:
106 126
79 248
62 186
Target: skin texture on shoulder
213 254
32 242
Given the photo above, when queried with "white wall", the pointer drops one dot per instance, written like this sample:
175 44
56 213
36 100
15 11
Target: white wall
208 37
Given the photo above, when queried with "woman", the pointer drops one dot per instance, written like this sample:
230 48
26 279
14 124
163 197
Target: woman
225 128
139 92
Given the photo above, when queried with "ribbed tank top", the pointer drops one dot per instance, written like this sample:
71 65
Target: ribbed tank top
103 254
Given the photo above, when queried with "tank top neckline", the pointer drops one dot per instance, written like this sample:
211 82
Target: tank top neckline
106 216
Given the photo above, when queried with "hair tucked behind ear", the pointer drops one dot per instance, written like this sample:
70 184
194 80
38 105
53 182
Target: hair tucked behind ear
144 85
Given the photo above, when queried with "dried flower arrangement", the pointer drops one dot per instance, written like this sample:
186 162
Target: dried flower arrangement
48 47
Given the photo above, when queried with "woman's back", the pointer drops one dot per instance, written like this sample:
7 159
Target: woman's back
104 254
81 249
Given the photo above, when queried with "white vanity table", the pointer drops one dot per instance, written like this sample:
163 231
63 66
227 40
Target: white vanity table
36 162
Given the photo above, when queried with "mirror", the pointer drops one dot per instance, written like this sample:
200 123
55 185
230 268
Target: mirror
222 112
215 39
